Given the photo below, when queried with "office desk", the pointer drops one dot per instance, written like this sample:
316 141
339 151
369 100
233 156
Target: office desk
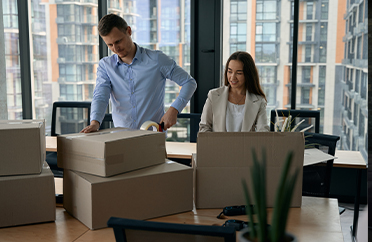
352 159
178 150
316 220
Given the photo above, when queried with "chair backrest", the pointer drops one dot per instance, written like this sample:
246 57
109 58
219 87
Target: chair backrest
107 122
69 117
137 230
296 115
326 143
186 129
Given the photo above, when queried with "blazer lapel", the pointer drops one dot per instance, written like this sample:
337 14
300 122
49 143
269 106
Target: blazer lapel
219 109
250 113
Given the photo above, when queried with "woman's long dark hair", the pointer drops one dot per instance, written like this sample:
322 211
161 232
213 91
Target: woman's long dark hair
252 80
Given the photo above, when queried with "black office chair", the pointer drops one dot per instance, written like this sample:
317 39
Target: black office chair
137 230
298 114
190 133
67 117
107 122
317 178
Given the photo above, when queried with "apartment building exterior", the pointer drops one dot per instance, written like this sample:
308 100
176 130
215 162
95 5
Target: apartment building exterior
354 93
331 59
64 48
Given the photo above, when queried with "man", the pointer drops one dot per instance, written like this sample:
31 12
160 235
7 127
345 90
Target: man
134 79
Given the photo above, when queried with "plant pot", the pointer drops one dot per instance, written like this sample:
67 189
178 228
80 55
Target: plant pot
244 233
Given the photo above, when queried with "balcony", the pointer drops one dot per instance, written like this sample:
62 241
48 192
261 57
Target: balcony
359 29
346 61
347 37
360 63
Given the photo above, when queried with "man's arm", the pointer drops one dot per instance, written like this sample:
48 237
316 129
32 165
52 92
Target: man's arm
175 73
100 100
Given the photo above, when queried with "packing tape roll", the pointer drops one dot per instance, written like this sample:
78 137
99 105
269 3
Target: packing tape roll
146 125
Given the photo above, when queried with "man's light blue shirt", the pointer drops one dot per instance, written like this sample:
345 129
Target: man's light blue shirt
137 90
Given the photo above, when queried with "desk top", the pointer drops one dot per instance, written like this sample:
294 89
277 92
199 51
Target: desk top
317 218
349 159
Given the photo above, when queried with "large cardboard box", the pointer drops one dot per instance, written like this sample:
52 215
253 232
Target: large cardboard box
142 194
110 151
22 147
224 159
27 199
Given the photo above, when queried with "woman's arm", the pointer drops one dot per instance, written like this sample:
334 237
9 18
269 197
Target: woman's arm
262 124
206 120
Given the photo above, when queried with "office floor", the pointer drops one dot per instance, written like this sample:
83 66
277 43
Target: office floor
346 219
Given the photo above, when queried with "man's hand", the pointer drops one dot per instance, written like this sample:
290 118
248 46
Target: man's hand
169 118
93 127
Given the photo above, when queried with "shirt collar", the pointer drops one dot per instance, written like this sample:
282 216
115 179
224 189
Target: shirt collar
137 56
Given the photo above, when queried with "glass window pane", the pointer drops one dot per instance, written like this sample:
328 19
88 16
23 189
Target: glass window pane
10 77
172 38
64 61
320 64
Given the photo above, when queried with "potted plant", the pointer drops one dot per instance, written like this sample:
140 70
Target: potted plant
260 231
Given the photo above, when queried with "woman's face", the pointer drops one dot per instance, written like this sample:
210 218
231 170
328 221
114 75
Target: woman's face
235 74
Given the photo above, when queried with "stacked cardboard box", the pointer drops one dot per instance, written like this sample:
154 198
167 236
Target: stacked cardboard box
223 160
123 173
26 183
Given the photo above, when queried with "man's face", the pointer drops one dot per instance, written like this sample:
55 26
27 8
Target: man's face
121 43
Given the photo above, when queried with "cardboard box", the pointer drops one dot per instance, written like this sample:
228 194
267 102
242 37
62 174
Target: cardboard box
142 194
110 151
22 147
27 199
225 158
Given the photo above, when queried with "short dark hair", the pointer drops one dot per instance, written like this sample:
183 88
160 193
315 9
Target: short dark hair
110 21
252 80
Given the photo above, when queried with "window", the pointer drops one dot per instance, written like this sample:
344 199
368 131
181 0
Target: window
309 32
308 53
324 10
265 53
322 75
323 31
238 10
267 74
266 10
266 32
305 95
238 32
306 77
309 10
323 53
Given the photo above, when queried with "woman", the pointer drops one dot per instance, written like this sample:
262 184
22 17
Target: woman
240 105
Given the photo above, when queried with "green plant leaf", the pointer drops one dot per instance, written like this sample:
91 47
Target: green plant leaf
250 212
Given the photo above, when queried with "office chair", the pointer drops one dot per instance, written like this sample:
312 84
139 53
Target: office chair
67 117
136 230
180 133
107 122
297 114
317 178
